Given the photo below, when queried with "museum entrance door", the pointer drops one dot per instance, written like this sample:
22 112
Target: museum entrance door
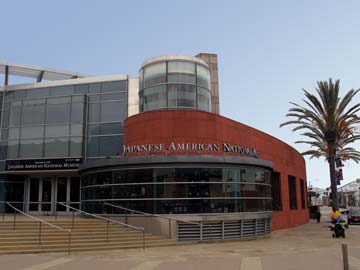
44 193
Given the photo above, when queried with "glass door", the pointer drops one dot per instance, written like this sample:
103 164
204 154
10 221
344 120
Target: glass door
40 195
46 196
67 192
44 193
62 188
34 187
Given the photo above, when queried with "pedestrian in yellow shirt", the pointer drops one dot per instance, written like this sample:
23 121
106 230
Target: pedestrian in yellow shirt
334 215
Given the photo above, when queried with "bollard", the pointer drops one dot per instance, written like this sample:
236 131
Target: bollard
345 256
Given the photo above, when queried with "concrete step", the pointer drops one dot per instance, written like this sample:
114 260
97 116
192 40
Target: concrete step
37 249
91 241
87 235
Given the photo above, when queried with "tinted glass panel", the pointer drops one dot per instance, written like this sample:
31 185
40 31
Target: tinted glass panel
57 131
113 86
32 132
14 133
57 113
94 112
203 76
31 148
20 94
182 95
33 112
81 89
15 113
62 90
77 112
204 99
76 130
92 146
112 111
154 97
95 88
112 128
113 96
40 92
93 129
110 145
12 149
56 147
75 146
155 74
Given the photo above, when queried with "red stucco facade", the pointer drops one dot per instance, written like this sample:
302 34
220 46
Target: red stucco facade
182 126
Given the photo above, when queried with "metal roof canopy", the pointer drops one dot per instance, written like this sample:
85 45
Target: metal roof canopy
38 73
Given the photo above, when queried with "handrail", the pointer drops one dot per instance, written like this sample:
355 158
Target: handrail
153 215
40 222
108 220
168 218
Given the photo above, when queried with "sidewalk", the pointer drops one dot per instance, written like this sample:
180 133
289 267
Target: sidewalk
306 247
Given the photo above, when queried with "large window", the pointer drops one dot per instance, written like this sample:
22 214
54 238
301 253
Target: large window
276 191
292 192
181 190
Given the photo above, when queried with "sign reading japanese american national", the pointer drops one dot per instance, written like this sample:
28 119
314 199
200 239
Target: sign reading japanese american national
190 147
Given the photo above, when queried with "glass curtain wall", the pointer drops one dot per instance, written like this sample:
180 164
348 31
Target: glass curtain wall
42 127
107 107
53 122
175 84
180 190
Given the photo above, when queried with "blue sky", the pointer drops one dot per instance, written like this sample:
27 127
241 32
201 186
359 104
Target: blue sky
267 50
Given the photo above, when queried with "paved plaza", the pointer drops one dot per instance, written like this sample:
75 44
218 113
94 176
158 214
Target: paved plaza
306 247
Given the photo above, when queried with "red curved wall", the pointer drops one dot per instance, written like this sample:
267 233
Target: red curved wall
182 126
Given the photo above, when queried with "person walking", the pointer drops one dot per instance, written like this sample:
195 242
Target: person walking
318 215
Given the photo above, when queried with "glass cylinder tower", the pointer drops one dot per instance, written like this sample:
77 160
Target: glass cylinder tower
174 82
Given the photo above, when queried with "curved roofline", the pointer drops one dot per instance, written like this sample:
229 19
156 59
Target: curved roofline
38 73
162 58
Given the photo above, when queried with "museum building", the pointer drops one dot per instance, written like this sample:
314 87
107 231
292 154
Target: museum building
154 143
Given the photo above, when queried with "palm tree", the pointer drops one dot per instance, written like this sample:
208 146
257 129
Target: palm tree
330 124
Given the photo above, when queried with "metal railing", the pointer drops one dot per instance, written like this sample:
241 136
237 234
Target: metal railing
159 216
40 222
108 220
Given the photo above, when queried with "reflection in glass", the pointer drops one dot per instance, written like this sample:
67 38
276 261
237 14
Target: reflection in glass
64 90
32 132
14 133
112 111
57 113
12 149
182 95
203 76
56 147
77 112
33 112
182 190
204 99
114 86
76 130
57 131
154 97
154 74
75 146
94 112
110 145
31 148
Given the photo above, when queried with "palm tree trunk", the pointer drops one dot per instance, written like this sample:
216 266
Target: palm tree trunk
331 161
